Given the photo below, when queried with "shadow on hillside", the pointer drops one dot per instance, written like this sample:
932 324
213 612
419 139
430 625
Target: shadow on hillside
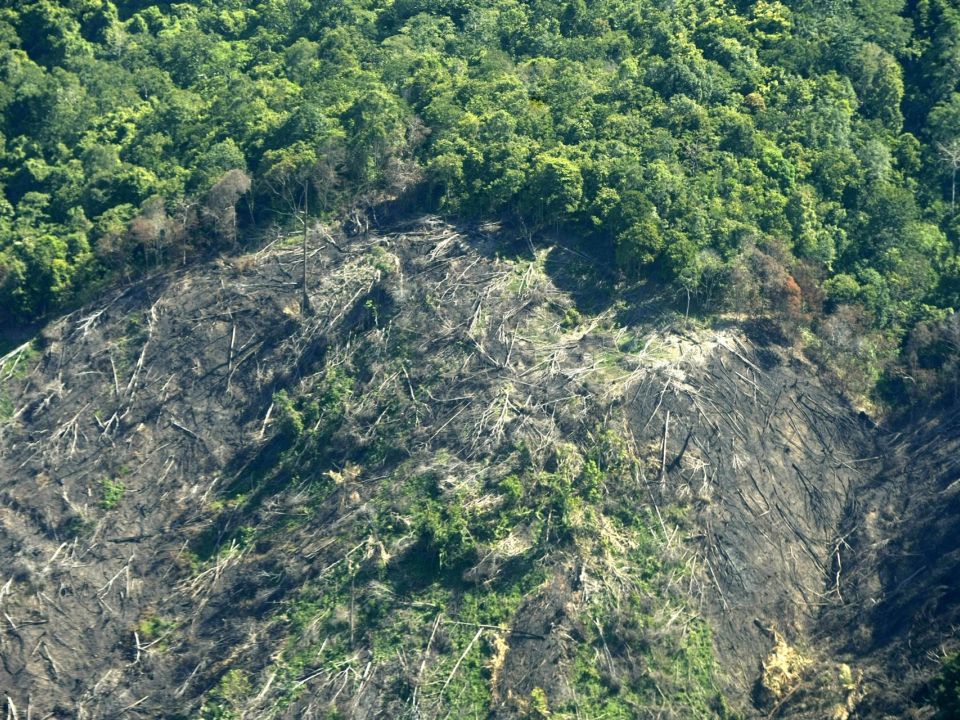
585 278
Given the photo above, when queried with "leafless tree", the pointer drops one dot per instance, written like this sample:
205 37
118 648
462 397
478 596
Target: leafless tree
950 155
290 183
221 202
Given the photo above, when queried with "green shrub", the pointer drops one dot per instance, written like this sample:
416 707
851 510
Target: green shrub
289 418
445 528
571 318
225 700
111 493
948 689
512 487
539 707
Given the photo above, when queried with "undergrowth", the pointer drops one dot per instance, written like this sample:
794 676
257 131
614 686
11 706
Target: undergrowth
427 588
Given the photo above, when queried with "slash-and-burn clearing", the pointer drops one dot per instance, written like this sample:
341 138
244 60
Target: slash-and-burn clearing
461 486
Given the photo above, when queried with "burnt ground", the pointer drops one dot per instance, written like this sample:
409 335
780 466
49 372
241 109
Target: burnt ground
415 529
901 609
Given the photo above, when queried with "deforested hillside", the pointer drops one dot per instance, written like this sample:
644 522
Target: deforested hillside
479 359
464 482
901 594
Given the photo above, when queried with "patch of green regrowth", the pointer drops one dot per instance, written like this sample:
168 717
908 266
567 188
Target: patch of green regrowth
152 627
454 524
447 529
630 343
245 536
642 648
155 631
225 701
314 412
512 488
370 305
327 623
16 366
470 616
136 331
571 318
112 491
123 352
217 543
527 272
539 705
689 665
612 452
947 689
6 406
18 363
637 658
381 260
289 418
591 480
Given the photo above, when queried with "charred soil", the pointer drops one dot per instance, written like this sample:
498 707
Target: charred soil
461 486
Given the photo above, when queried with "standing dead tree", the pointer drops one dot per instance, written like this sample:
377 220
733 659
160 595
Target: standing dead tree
220 205
305 299
291 175
950 154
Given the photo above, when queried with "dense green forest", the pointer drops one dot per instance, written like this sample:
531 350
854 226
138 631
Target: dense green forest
797 159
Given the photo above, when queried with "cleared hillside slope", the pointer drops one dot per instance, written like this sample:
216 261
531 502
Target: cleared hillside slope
467 484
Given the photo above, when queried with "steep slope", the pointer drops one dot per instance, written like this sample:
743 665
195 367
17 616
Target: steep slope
901 605
466 483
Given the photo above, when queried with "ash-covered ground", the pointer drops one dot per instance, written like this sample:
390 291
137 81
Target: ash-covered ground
466 483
